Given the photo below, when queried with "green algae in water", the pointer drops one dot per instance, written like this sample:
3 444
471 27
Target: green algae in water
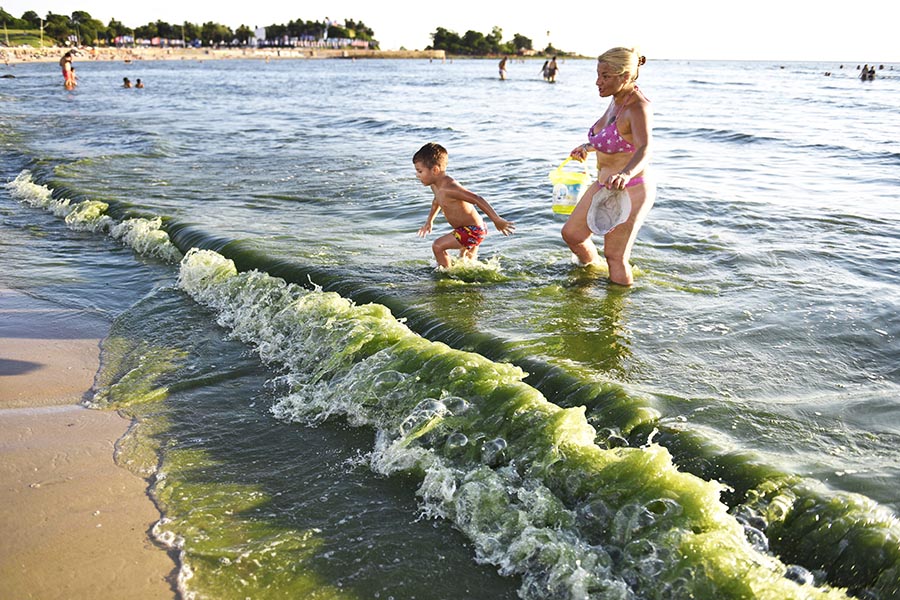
236 487
229 546
642 505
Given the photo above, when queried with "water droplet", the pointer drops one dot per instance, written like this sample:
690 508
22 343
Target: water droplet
386 380
799 574
756 538
456 405
456 441
492 452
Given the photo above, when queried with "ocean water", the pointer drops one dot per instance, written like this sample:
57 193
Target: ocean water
321 414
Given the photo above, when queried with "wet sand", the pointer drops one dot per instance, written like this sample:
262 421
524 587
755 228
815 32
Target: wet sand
75 525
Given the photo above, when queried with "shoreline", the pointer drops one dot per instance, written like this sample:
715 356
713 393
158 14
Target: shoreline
53 54
75 524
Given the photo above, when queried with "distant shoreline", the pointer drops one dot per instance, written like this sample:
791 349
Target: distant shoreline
53 54
26 55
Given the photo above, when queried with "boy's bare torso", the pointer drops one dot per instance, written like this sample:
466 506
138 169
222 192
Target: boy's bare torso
449 195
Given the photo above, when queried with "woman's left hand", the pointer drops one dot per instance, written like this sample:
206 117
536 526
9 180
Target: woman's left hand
617 181
580 153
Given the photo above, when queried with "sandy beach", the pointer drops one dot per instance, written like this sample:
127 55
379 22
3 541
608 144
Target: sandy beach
75 525
22 55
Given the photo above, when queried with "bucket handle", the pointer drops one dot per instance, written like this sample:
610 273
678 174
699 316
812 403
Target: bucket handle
568 159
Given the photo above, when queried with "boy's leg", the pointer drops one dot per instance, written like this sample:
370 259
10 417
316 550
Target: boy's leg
442 245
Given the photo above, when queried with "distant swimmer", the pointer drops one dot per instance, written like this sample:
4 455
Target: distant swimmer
552 70
138 84
126 83
68 72
458 205
502 67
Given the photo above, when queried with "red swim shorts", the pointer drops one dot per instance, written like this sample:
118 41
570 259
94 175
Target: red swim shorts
470 236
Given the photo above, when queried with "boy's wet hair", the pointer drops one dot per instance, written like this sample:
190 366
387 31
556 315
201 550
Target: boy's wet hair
431 155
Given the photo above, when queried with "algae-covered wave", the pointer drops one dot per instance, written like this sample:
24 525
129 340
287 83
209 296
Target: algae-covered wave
520 476
144 235
420 395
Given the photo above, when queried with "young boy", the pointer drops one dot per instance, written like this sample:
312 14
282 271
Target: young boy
458 205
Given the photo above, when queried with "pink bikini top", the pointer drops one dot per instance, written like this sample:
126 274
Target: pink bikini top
608 140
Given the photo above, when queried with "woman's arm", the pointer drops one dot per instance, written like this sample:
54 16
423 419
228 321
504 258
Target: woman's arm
641 133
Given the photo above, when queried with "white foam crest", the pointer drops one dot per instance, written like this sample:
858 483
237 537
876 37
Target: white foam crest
474 270
309 333
392 455
247 303
22 188
516 524
146 237
201 271
89 215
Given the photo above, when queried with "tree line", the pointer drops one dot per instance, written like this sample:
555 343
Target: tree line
80 27
475 43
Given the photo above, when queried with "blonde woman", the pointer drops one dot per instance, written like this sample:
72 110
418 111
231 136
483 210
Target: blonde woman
622 141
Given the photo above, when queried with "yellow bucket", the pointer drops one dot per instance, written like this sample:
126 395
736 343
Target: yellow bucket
568 187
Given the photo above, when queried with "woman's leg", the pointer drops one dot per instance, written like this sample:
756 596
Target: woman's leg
576 232
617 244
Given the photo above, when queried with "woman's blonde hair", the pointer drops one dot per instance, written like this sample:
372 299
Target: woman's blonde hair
623 60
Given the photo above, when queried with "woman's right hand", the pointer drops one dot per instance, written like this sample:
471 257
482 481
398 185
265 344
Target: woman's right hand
579 153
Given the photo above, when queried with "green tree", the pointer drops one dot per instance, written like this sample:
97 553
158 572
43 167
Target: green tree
275 32
165 30
117 28
361 32
192 32
446 40
475 43
32 18
244 34
11 22
494 39
56 27
520 42
215 33
79 25
146 32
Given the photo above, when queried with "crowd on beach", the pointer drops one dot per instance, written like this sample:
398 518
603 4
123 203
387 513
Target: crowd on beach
10 56
24 55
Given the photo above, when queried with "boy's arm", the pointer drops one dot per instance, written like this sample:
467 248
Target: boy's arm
429 222
503 226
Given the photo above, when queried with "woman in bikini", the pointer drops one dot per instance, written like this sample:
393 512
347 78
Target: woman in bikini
68 70
622 141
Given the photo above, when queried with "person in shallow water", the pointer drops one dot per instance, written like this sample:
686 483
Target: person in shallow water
458 205
622 141
68 71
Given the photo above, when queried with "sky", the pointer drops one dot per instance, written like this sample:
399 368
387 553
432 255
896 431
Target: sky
780 30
